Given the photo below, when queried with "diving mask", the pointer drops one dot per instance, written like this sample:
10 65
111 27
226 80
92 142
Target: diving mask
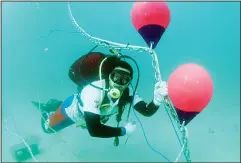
119 80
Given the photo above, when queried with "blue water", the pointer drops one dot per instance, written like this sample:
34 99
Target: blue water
39 43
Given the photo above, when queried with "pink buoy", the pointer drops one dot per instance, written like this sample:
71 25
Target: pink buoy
150 19
190 88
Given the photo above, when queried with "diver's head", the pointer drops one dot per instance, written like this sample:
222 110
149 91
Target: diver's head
119 79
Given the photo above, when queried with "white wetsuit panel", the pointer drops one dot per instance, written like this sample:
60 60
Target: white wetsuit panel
91 100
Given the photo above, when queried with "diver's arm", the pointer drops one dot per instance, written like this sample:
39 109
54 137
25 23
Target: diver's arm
96 129
91 98
160 91
145 109
91 101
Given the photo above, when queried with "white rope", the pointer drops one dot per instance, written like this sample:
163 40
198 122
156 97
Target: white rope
22 139
102 42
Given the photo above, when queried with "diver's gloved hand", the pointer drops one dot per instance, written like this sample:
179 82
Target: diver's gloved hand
160 92
130 128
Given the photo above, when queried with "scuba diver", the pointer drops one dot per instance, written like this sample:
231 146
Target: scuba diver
104 89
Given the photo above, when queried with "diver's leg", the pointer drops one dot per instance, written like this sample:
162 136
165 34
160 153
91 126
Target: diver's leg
51 106
53 115
61 118
45 123
47 110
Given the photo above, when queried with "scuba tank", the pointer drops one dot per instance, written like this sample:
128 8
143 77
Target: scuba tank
85 70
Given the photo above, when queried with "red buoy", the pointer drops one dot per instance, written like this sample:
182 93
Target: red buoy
150 19
190 89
